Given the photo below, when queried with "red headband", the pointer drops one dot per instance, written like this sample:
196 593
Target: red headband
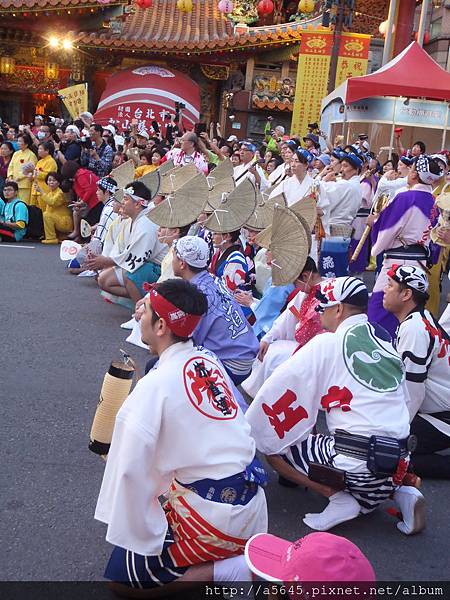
179 322
392 273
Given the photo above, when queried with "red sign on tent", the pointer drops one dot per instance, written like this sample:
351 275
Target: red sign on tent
146 94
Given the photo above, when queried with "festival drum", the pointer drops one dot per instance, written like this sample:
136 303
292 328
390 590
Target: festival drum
115 389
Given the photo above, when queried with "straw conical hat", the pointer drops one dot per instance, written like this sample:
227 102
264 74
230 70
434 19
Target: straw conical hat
263 215
264 237
123 174
289 246
224 186
152 181
183 206
306 207
174 178
223 170
166 166
234 210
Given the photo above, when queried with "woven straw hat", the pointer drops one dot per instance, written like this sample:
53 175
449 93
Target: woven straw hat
224 186
123 174
166 166
289 246
263 215
264 237
174 178
152 181
234 210
183 206
306 207
223 170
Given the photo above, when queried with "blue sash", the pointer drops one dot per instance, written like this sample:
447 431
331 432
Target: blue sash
237 489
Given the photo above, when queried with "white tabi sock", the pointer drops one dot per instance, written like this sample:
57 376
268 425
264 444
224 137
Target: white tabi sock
129 324
232 569
342 507
412 506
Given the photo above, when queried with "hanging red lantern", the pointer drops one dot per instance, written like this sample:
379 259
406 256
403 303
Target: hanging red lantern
144 3
265 7
225 7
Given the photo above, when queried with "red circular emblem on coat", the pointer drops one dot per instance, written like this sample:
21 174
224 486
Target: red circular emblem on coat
208 389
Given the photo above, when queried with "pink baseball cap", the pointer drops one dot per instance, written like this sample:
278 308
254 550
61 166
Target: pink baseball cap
316 557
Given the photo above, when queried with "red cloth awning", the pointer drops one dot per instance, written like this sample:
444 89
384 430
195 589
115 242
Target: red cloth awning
411 74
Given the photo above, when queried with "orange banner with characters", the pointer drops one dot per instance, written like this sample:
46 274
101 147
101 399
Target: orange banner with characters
353 56
312 78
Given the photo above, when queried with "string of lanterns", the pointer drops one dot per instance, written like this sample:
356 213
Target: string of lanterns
226 7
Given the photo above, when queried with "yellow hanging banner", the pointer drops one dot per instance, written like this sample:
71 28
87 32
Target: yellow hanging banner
312 78
75 99
353 56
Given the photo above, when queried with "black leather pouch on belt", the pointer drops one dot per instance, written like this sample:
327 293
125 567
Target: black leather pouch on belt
383 455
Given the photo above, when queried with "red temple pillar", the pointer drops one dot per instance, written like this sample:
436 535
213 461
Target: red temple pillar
404 25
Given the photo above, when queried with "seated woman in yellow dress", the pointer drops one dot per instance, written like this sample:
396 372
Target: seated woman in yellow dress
57 216
45 165
23 156
145 165
150 161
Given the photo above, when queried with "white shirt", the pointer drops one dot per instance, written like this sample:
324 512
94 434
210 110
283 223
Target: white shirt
344 199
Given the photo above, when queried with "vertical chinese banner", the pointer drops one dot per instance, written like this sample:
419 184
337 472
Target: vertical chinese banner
75 99
353 56
312 78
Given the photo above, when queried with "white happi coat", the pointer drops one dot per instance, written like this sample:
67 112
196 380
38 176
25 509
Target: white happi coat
282 344
241 172
142 244
168 429
426 355
390 187
342 199
292 189
358 382
278 174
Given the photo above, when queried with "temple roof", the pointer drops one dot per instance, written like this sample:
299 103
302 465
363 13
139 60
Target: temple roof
32 5
205 29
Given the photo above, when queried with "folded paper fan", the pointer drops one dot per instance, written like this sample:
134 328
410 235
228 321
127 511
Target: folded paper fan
174 178
234 210
289 246
183 206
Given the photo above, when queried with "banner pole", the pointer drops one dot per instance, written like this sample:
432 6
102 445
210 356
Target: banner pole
391 143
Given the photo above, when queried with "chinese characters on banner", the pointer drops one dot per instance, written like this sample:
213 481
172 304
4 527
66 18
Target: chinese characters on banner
75 99
312 78
140 114
353 56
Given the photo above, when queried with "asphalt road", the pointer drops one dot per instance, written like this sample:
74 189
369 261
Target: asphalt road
58 338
